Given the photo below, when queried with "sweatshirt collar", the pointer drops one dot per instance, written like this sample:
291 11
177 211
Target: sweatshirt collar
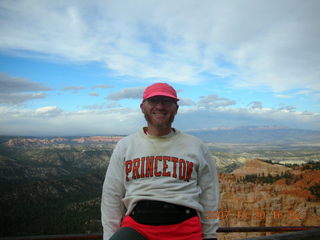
172 133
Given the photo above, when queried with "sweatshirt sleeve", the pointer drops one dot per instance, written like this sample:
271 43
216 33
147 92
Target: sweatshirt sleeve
209 197
112 208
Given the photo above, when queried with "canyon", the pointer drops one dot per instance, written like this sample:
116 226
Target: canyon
285 201
53 185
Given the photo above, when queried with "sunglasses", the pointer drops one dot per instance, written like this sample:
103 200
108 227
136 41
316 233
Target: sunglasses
167 101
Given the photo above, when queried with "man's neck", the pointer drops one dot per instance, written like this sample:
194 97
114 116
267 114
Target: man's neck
158 132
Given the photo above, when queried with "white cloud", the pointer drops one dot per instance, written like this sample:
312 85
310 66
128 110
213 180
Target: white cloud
73 88
19 98
127 93
255 104
230 117
254 43
94 94
186 102
282 96
51 120
17 90
214 101
10 84
287 108
48 111
102 86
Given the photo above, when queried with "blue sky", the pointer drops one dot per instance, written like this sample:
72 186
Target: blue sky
80 67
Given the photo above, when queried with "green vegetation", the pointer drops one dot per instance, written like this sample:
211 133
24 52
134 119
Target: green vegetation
311 166
56 188
268 161
51 206
269 179
229 168
315 190
52 189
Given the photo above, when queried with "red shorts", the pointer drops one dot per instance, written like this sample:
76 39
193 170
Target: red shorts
187 230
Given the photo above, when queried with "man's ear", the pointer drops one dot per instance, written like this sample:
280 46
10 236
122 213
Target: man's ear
141 107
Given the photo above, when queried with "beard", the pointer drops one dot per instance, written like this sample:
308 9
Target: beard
159 124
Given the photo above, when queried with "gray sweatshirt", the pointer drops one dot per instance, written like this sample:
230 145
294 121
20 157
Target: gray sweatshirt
177 168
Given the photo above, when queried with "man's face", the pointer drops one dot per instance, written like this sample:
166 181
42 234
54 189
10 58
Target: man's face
159 111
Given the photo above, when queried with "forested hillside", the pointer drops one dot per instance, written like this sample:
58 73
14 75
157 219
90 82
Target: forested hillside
51 189
53 185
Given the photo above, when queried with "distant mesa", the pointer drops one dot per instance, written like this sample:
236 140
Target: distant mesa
98 139
17 142
274 135
20 142
259 167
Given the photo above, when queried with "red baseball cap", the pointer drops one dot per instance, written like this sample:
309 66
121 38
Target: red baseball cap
160 89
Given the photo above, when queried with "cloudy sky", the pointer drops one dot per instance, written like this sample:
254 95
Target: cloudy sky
80 67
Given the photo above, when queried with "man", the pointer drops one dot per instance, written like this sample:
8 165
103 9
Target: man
160 183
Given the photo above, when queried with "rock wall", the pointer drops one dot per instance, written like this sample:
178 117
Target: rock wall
282 203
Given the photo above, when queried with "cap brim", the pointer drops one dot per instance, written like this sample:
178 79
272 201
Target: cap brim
161 94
